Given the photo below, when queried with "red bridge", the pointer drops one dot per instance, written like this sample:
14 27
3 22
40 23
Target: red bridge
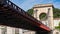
14 16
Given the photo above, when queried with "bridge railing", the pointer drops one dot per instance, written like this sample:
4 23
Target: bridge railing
21 11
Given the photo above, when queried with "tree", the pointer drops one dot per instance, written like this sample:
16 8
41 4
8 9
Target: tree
43 16
58 27
30 11
56 12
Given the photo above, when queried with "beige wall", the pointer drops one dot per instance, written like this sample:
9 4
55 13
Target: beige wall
10 30
29 32
44 9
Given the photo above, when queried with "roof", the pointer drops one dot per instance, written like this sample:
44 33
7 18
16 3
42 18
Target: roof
43 5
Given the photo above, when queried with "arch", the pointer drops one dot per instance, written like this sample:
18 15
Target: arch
44 13
43 16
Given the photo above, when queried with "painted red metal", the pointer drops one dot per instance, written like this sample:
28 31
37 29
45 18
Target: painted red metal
45 27
39 24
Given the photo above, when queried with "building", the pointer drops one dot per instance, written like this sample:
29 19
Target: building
12 30
47 9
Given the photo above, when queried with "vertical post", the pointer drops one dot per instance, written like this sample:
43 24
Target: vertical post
3 1
50 18
35 14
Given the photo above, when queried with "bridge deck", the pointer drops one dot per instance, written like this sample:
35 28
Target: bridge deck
12 15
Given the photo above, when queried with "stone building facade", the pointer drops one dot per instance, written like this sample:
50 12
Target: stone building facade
44 8
49 21
12 30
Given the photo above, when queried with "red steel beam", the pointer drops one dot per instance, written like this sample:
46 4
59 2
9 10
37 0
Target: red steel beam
39 24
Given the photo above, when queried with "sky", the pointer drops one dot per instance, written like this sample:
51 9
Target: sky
28 4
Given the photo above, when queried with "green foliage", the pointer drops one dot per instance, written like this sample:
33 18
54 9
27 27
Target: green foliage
42 16
56 12
58 27
59 23
30 11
